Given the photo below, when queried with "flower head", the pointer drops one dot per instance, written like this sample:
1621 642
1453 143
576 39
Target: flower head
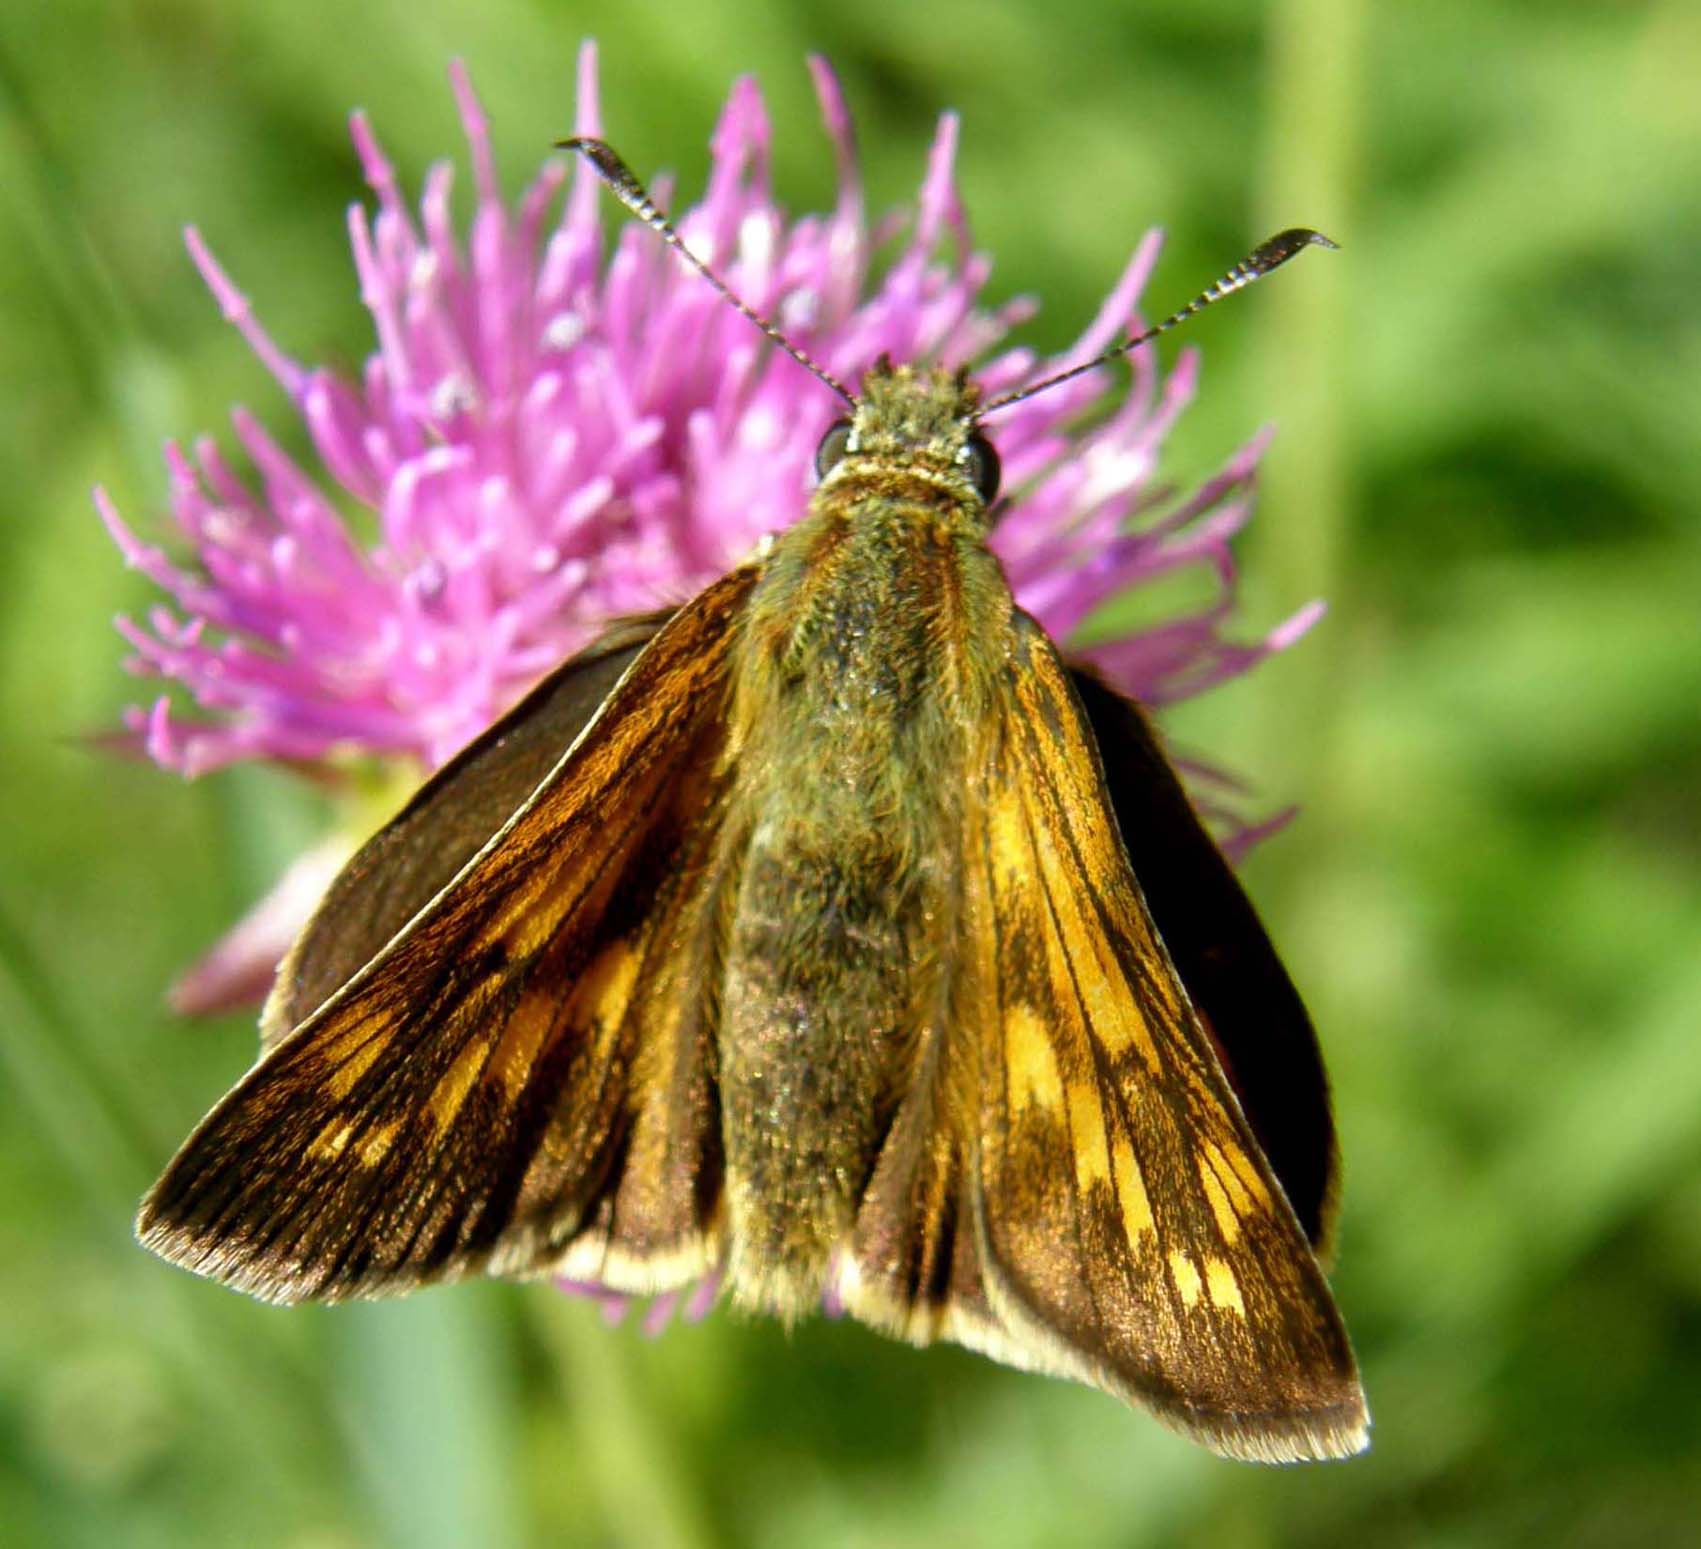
550 433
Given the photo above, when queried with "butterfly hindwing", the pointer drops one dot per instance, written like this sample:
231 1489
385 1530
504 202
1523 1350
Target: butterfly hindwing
914 1265
518 1082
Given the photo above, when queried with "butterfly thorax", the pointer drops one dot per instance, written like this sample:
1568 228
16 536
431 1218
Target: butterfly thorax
866 660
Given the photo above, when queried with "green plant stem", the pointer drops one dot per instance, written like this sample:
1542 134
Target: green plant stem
1311 145
648 1503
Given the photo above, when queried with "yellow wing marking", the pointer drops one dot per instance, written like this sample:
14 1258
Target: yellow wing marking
1231 1184
371 1149
1185 1273
1078 946
533 912
1034 1078
596 1006
1228 1223
452 1087
1240 1166
527 1029
333 1139
1008 835
364 1042
1131 1192
1086 1125
1222 1287
604 991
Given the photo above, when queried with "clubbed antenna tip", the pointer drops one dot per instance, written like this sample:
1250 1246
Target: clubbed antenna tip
1270 254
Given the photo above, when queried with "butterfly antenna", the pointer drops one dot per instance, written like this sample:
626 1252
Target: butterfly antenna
630 192
1259 262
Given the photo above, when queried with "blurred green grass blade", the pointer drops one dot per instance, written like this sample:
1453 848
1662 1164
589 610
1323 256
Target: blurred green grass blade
79 1113
427 1382
38 183
278 1420
644 1498
1313 83
1607 1134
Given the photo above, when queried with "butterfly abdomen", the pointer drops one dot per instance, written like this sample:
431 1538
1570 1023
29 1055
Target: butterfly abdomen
851 678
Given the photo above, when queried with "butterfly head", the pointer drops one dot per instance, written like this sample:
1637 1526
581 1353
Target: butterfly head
914 420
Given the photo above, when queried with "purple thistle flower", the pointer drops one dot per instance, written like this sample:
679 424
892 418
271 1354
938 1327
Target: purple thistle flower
546 437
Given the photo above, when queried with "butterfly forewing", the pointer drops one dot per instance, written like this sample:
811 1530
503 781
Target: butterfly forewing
1134 1235
467 1100
1068 1183
1212 936
402 867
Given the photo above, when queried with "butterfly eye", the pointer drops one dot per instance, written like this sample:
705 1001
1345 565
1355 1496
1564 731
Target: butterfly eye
980 463
833 447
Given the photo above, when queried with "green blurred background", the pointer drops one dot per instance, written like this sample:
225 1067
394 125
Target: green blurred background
1489 403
